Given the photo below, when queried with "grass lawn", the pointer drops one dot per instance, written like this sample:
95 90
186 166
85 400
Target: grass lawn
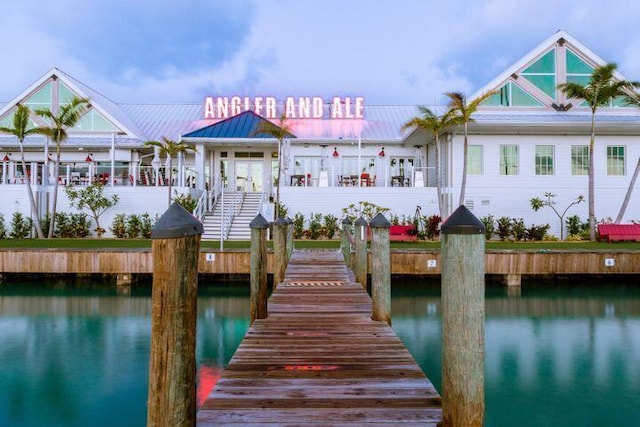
103 243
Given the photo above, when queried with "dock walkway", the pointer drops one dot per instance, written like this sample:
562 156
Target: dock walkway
319 359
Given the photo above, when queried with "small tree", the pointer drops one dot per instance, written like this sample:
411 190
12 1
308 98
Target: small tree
92 200
537 203
171 149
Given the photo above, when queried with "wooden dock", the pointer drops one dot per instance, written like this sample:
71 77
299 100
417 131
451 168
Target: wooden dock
320 359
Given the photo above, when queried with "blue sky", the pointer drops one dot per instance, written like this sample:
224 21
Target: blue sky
390 52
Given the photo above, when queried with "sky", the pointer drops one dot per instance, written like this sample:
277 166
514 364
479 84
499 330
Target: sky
399 52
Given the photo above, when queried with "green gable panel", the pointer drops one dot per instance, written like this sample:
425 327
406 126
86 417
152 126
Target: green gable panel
545 83
619 101
96 122
41 98
65 95
546 64
500 98
520 98
575 65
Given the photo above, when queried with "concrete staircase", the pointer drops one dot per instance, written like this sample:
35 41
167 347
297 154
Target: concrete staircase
249 206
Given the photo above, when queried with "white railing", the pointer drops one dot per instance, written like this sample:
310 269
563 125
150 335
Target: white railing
227 214
201 207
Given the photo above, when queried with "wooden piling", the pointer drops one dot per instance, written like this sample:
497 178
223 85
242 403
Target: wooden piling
258 274
289 238
345 241
360 258
380 268
279 250
463 269
172 367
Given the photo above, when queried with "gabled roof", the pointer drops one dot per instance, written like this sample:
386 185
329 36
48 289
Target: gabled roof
530 82
104 106
243 125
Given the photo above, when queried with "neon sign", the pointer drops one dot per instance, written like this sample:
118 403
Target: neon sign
303 107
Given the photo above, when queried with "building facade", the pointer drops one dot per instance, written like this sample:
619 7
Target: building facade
526 140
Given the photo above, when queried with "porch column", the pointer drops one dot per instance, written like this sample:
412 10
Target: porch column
200 156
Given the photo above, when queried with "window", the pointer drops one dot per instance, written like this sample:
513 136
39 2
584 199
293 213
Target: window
474 159
615 160
579 160
542 73
512 95
350 165
508 160
544 159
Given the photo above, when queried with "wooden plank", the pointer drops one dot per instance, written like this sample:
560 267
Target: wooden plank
319 358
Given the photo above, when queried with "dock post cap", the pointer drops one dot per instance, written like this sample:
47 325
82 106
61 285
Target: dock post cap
462 221
176 222
259 222
281 221
361 222
346 221
379 221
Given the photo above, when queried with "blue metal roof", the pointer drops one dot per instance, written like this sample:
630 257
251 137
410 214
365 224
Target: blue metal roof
243 125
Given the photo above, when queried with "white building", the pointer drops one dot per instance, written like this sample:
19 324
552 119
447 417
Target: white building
526 140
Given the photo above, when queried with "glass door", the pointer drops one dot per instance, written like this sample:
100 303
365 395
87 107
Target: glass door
248 176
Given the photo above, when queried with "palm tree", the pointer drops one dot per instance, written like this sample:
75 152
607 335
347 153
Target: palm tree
436 125
20 131
67 117
170 149
465 110
631 99
598 92
280 131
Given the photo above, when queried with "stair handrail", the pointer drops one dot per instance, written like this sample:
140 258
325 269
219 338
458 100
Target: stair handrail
228 213
201 207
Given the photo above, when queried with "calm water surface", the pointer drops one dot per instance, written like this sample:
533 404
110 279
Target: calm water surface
567 357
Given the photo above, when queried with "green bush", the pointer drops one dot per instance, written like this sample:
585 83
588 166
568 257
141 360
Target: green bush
504 228
72 225
119 226
331 225
146 225
537 232
518 229
187 201
3 228
132 226
20 226
298 226
489 226
576 229
315 226
432 229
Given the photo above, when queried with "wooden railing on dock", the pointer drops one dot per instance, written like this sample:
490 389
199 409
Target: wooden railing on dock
318 358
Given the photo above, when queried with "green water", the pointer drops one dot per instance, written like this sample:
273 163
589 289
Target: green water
566 357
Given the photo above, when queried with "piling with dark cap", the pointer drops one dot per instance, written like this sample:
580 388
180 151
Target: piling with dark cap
380 268
280 228
258 270
360 258
463 269
345 241
172 366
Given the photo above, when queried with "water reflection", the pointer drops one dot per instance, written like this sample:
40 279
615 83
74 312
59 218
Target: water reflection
553 356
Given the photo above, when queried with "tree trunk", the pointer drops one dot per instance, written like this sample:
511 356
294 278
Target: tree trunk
465 149
279 173
438 181
32 201
627 197
592 172
54 202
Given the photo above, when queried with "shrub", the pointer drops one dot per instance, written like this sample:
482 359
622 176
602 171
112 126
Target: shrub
132 226
576 229
331 225
537 232
518 229
489 226
283 211
504 228
119 226
298 225
72 225
146 225
315 225
432 230
365 209
3 228
187 201
20 226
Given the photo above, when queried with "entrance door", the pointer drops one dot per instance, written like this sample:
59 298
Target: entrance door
248 176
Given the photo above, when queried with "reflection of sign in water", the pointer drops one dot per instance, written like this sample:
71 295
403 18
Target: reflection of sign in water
303 107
